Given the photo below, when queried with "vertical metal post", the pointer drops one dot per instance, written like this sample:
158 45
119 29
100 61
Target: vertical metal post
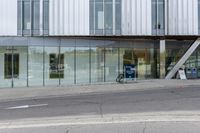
118 61
104 65
43 62
59 60
90 61
27 62
12 61
75 63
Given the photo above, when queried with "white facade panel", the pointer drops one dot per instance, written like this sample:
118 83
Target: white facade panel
136 17
182 17
69 17
8 17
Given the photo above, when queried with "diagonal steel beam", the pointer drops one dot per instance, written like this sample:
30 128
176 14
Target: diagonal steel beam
183 59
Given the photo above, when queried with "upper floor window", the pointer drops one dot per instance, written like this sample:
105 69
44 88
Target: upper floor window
33 17
105 17
158 18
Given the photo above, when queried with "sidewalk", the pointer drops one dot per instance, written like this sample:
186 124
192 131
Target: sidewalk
41 92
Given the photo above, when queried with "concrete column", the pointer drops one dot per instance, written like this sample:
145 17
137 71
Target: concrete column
162 58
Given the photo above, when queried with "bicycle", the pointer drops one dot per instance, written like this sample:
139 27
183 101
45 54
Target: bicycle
120 78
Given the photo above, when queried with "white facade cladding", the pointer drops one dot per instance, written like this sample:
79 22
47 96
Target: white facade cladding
182 17
136 17
69 17
8 14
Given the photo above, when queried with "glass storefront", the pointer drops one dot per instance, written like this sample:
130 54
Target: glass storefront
35 65
75 61
174 51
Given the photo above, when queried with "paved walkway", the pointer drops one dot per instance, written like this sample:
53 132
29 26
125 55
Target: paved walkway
40 92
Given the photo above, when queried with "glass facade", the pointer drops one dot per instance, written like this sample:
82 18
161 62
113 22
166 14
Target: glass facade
36 17
26 15
192 65
158 20
174 51
61 62
105 17
29 14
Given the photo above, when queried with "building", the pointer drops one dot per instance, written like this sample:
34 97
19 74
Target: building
65 42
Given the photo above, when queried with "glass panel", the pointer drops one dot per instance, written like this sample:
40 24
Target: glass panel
161 15
36 17
19 17
144 56
154 16
174 51
68 64
92 17
82 64
26 17
192 65
118 17
108 17
46 17
99 13
51 65
20 66
5 67
111 64
35 72
97 64
8 66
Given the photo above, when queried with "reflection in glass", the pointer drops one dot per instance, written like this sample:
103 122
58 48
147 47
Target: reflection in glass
35 65
26 17
68 63
174 51
111 64
36 17
108 24
11 66
46 17
97 65
99 14
56 66
82 65
51 66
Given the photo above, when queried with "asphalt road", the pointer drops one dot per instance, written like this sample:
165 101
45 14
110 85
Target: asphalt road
173 99
102 104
